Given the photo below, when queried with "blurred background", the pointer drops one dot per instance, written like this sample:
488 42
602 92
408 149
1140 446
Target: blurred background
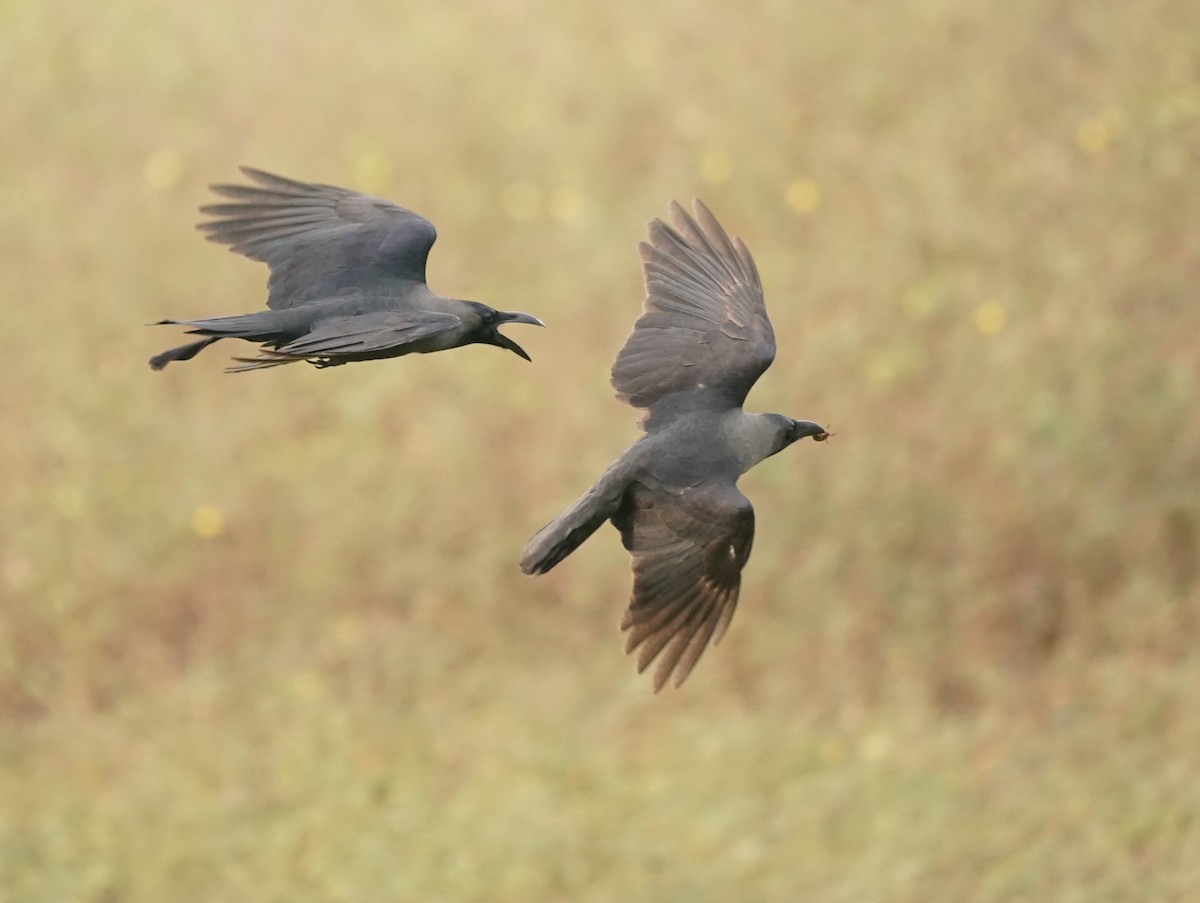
263 637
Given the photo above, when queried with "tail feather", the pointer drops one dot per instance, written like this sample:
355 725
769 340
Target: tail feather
566 533
265 324
182 353
266 359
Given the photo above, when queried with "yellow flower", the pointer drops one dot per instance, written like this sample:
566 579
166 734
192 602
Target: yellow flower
804 195
565 203
163 168
1094 135
990 317
208 521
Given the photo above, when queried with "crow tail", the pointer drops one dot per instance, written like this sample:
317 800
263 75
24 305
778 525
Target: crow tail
263 326
182 353
566 533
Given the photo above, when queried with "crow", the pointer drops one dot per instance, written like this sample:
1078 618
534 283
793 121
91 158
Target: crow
347 280
702 341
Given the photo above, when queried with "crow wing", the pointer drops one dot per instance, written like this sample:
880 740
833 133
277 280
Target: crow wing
688 551
318 240
703 337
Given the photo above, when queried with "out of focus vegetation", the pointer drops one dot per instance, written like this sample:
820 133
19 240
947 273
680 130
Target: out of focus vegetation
263 637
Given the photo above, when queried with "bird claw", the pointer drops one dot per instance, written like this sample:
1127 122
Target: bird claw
322 362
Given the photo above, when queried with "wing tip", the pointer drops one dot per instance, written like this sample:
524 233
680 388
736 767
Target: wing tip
700 209
263 180
261 176
699 234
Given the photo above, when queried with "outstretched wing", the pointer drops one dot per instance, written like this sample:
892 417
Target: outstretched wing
688 552
704 336
342 339
318 240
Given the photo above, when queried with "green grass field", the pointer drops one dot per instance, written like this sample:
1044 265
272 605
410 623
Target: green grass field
263 637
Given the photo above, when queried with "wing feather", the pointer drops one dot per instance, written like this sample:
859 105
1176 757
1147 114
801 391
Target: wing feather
688 552
318 240
704 337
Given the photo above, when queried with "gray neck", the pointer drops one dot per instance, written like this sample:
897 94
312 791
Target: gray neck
755 437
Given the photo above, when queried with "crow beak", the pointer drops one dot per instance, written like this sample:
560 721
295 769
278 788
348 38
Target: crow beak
805 428
514 317
505 342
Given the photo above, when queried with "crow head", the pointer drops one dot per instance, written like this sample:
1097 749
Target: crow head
487 332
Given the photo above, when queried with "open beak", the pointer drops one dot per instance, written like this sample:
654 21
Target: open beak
514 317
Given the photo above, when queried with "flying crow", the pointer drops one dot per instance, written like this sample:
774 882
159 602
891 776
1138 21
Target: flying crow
700 344
347 280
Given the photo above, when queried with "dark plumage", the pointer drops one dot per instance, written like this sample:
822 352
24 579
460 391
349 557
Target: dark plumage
347 280
700 344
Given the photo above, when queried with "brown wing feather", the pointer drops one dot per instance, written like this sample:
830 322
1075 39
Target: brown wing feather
704 336
688 552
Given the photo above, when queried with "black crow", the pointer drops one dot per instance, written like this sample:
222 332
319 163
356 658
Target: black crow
700 344
347 280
